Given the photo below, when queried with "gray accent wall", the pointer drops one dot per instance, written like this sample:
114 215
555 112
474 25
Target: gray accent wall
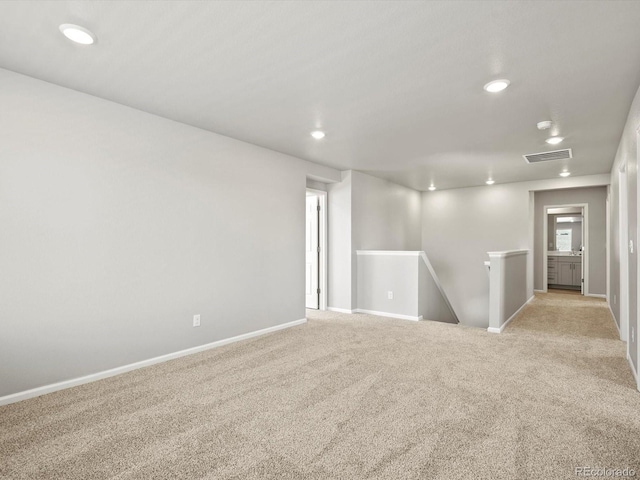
596 198
627 154
118 226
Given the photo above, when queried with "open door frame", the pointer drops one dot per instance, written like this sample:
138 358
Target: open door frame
585 244
322 262
633 319
623 220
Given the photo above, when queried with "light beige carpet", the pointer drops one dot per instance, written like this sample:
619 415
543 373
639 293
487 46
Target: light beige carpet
352 397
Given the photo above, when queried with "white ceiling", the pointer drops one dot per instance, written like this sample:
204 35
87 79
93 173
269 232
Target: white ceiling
396 85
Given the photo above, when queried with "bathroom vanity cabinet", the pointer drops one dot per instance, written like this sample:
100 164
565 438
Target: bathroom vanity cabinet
565 270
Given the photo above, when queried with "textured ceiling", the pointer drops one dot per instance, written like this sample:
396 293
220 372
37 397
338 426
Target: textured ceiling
397 86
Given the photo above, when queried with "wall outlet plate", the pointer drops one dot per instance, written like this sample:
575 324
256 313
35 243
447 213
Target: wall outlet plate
390 295
196 320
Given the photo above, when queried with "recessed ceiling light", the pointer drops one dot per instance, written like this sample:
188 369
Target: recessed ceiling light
490 182
77 34
317 134
554 140
544 125
497 85
432 188
565 174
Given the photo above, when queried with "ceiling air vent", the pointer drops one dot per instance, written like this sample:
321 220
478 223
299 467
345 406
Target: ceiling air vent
547 156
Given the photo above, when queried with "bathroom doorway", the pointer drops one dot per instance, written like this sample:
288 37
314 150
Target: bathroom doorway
565 240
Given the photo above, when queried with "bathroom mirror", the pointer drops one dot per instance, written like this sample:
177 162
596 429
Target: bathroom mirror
565 233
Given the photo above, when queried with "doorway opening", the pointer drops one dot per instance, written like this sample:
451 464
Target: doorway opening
316 250
565 240
624 253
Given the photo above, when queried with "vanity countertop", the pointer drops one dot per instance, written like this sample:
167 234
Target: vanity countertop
563 254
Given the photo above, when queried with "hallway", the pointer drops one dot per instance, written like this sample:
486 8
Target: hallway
566 314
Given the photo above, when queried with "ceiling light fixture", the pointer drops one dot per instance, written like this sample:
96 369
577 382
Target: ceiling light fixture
317 134
77 34
565 174
497 85
545 125
432 188
490 182
554 140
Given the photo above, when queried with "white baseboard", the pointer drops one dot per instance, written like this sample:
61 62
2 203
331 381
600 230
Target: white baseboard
539 291
390 315
613 317
373 312
503 326
597 295
633 371
340 310
54 387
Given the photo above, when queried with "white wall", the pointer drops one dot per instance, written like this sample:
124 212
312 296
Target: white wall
316 185
381 273
341 261
460 226
386 216
596 199
118 226
627 154
366 213
416 292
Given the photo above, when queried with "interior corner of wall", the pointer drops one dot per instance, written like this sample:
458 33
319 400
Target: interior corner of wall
345 174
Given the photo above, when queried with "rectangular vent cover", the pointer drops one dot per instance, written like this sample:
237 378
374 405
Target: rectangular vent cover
547 156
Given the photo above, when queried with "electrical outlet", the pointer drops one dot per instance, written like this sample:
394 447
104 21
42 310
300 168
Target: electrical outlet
614 299
630 246
390 295
196 320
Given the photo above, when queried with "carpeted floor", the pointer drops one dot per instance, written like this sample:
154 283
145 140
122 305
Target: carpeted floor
352 397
